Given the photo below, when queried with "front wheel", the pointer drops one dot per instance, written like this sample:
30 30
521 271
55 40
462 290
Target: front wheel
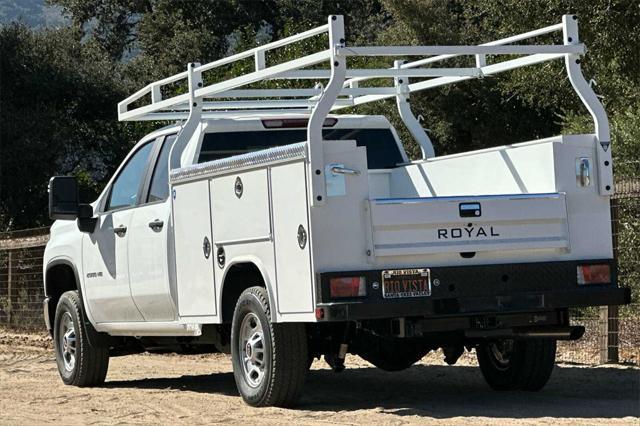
517 364
270 360
80 363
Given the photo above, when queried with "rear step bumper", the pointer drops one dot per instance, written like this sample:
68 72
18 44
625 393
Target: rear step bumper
477 290
545 332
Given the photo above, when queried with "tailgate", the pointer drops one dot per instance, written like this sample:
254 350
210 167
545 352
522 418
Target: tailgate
411 226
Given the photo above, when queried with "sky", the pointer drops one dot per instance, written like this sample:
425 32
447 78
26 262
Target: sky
34 13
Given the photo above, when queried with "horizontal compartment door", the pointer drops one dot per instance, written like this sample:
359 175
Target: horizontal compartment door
240 208
469 224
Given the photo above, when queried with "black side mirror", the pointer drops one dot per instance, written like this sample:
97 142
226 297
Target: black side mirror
63 198
86 221
85 211
64 203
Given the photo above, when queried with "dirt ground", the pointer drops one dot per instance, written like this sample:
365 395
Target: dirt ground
198 389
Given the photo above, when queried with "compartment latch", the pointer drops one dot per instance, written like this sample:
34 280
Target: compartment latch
470 210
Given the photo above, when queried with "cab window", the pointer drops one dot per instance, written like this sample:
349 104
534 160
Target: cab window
382 149
125 188
159 190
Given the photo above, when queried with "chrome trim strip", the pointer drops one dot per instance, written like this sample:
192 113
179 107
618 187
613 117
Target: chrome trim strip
473 242
464 198
244 241
240 162
150 328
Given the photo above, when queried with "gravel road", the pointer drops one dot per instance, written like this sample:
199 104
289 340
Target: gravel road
198 389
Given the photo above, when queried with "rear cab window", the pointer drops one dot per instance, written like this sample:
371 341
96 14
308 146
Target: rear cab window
382 149
159 189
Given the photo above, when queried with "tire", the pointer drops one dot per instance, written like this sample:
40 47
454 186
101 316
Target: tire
391 353
310 359
269 360
517 364
79 362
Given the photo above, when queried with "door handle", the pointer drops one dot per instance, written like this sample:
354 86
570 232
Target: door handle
156 225
120 230
344 171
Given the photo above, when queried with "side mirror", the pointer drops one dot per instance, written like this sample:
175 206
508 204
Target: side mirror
85 211
86 221
63 198
64 203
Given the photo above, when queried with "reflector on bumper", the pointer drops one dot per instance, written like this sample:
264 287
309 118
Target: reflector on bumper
342 287
594 274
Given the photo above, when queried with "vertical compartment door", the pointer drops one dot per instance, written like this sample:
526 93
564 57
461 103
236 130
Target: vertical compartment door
291 238
194 249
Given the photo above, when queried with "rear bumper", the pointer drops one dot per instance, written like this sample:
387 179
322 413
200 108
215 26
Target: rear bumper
478 290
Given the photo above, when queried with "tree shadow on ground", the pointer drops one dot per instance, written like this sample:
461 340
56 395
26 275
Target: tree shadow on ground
444 392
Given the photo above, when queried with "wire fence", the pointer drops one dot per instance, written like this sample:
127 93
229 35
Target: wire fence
21 281
612 333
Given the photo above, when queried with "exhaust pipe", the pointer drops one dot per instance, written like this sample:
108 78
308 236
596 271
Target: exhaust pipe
542 332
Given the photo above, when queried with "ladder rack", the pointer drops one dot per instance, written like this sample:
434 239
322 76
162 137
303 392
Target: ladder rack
335 86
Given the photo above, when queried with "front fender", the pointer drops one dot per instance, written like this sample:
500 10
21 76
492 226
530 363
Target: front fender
65 247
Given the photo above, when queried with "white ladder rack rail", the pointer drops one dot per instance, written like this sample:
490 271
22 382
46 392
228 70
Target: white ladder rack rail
227 99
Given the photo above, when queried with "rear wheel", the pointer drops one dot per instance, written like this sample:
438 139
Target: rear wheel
80 363
270 360
517 364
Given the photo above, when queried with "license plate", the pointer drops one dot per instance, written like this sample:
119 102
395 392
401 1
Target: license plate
399 283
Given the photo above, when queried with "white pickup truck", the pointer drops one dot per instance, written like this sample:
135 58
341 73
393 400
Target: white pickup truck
266 225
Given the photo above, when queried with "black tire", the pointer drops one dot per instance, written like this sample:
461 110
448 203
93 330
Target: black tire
79 362
391 353
278 350
517 364
310 359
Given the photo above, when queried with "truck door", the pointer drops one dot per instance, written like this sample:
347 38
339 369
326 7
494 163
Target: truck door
148 254
105 252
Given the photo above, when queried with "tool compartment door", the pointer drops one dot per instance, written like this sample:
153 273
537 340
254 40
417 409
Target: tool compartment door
194 249
240 207
291 238
469 224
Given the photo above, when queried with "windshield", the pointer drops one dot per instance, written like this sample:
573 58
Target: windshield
382 149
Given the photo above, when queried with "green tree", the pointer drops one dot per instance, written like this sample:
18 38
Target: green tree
58 103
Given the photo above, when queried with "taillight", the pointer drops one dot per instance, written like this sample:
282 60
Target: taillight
347 287
594 274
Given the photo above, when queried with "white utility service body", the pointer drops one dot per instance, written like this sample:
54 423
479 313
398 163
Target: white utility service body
503 232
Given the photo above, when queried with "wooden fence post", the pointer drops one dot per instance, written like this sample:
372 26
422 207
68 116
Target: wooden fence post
613 341
609 324
9 268
603 332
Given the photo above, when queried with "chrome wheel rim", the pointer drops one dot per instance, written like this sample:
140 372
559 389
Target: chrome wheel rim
67 342
252 350
501 353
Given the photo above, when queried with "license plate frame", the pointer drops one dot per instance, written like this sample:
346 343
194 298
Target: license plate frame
406 283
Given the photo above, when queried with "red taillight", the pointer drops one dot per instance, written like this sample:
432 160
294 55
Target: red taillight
594 274
290 123
347 287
